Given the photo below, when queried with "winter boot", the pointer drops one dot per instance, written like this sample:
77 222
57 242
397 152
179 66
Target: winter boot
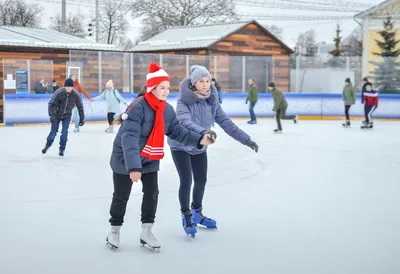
147 238
45 149
188 223
199 218
113 237
346 124
61 153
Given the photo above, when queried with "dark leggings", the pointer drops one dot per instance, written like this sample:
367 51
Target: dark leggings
346 111
110 117
186 165
122 191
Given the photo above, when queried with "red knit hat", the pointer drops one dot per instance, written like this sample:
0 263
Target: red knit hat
155 76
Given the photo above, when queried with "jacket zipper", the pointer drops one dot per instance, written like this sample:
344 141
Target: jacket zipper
66 104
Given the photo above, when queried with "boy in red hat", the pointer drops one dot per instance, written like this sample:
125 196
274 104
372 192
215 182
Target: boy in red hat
138 149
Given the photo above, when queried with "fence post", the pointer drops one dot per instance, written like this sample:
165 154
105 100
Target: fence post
243 74
187 66
215 67
297 72
99 71
161 60
28 68
131 73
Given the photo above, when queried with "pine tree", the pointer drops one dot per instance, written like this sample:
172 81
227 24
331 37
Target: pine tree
387 73
336 61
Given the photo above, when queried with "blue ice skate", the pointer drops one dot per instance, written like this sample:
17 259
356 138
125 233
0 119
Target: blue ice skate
199 218
188 225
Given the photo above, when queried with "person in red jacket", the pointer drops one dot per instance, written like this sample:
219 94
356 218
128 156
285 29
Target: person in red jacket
78 87
370 97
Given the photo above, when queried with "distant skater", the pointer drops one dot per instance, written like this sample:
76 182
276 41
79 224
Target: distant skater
280 106
349 99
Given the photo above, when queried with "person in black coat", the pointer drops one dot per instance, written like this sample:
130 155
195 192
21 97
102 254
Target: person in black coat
60 110
138 149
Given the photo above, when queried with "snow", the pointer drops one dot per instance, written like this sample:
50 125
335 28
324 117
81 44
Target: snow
316 199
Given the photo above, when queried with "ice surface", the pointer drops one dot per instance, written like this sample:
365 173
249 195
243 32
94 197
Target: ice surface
316 199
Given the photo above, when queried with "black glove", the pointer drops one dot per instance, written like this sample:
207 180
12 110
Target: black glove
81 123
213 134
253 145
274 109
53 119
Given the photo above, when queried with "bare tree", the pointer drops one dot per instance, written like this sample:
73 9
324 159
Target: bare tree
306 45
74 24
275 30
159 15
125 43
19 13
113 24
352 44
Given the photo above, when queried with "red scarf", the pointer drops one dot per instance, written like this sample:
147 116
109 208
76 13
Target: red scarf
154 148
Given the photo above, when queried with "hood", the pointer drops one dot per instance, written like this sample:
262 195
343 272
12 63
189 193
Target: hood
190 98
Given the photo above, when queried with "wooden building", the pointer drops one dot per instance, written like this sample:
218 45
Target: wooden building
233 52
43 53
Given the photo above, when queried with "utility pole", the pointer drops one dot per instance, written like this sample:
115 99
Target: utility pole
97 21
64 15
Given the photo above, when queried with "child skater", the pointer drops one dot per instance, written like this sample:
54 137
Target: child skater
197 109
114 100
138 149
280 106
60 110
349 99
370 105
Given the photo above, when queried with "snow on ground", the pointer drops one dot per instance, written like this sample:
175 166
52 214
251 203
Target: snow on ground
316 199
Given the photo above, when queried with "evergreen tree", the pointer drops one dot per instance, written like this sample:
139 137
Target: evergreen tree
336 60
387 73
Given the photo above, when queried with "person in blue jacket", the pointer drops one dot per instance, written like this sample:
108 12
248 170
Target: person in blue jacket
138 149
197 109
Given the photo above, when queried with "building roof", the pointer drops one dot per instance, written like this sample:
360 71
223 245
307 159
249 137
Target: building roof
46 38
388 7
196 37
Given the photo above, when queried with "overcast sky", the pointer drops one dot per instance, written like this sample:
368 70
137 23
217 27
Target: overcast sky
325 30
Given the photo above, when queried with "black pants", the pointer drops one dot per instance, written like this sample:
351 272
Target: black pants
281 115
346 111
187 165
110 117
368 110
122 191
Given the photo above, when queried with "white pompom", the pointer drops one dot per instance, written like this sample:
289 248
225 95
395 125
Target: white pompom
124 116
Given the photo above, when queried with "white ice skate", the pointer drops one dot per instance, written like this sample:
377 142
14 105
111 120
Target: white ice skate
110 129
113 237
147 238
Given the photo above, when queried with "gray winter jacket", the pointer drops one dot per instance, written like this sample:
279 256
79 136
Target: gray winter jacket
200 114
134 132
62 103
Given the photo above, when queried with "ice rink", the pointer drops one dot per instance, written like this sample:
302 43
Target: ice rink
317 199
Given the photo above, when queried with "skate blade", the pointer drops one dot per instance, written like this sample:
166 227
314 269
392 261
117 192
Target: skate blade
111 246
152 248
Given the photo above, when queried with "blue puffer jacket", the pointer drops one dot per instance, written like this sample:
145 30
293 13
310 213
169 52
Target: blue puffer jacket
200 114
134 132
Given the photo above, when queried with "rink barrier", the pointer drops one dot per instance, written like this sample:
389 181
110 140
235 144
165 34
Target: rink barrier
33 108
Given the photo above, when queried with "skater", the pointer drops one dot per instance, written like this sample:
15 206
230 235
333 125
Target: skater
280 106
138 149
60 106
78 87
370 105
197 109
114 100
349 99
214 82
252 97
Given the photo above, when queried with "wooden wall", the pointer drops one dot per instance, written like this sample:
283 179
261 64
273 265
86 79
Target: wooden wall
40 66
